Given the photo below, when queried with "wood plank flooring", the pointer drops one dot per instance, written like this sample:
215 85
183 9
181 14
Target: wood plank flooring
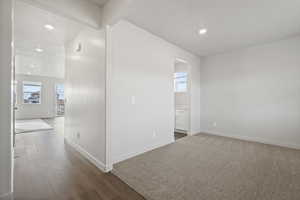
178 135
48 169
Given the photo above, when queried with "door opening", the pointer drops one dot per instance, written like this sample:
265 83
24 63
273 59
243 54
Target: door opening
181 99
60 100
40 38
55 57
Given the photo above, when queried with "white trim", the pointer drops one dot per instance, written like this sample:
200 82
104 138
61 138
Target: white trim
255 139
181 60
12 105
189 91
6 195
108 149
104 168
123 157
32 83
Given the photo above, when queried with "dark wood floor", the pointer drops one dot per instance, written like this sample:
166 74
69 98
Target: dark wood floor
178 135
48 169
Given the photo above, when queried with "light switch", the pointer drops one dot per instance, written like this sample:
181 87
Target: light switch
154 135
133 100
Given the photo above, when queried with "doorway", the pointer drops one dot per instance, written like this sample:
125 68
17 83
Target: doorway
60 100
57 58
181 99
40 38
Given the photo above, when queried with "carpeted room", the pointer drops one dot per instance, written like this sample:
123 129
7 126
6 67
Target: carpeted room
130 65
249 94
249 99
214 167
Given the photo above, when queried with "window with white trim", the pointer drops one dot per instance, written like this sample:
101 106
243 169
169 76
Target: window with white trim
180 82
32 92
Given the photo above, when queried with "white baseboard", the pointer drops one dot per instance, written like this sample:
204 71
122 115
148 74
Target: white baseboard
133 154
6 196
100 165
255 139
194 133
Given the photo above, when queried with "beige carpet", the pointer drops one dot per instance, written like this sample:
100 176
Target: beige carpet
207 167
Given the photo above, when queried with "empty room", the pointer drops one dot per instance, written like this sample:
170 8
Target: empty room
39 72
155 100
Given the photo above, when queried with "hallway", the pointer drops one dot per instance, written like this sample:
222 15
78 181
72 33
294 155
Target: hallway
47 168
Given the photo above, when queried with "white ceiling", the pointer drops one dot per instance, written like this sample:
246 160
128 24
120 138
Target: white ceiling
231 24
31 34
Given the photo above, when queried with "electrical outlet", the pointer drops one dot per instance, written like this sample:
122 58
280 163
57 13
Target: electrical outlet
78 135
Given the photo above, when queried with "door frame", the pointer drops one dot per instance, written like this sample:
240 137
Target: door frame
180 60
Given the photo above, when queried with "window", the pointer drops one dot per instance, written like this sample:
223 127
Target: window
60 99
60 92
32 92
180 82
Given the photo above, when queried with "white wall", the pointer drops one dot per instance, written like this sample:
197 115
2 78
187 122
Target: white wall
143 67
85 94
5 98
41 64
47 108
254 93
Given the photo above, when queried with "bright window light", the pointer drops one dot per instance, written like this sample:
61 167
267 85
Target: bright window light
32 92
180 82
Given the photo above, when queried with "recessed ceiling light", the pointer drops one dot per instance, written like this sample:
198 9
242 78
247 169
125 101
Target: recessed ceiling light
202 31
49 27
39 50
